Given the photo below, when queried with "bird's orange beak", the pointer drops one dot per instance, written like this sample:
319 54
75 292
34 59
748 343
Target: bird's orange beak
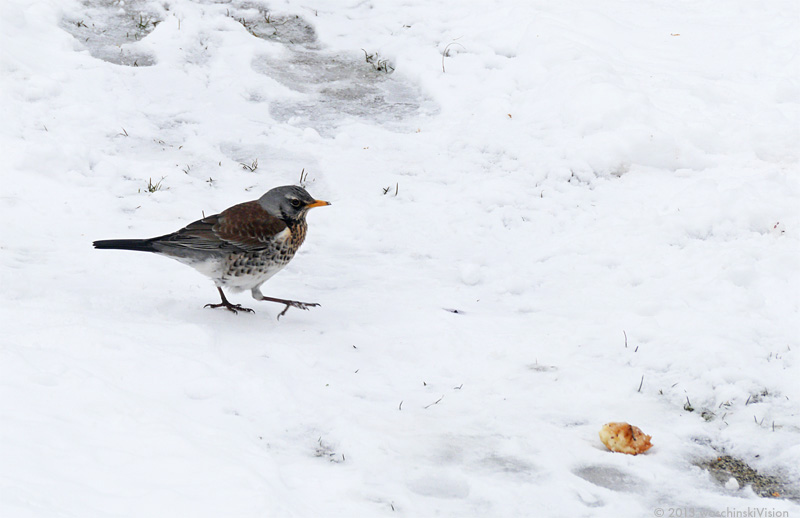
318 203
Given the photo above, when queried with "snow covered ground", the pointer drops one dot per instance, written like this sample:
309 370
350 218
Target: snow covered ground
546 216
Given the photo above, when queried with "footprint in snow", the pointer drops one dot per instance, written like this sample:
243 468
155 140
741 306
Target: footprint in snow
106 29
337 85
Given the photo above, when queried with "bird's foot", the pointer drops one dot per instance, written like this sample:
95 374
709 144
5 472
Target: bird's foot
230 307
289 303
227 305
296 304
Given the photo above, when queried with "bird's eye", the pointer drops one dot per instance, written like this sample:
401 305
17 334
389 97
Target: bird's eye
296 203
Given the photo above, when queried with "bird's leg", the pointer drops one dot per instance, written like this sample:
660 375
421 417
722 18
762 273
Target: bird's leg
289 303
227 305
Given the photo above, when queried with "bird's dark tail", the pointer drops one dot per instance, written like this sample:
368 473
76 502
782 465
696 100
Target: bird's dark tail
140 245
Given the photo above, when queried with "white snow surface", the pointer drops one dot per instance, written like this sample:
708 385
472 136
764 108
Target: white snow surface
591 214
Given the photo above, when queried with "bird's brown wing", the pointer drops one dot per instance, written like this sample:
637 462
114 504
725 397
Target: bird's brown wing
249 226
242 228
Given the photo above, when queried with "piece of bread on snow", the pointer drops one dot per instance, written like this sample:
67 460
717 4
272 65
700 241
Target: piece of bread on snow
625 438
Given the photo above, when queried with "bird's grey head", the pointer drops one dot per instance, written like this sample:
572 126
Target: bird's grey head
289 202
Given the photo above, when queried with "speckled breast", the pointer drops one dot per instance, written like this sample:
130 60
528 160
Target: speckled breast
247 270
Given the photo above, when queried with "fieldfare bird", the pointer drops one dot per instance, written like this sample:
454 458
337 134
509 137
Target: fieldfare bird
241 247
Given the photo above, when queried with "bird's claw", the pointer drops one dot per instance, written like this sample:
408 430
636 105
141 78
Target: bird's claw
296 304
236 308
